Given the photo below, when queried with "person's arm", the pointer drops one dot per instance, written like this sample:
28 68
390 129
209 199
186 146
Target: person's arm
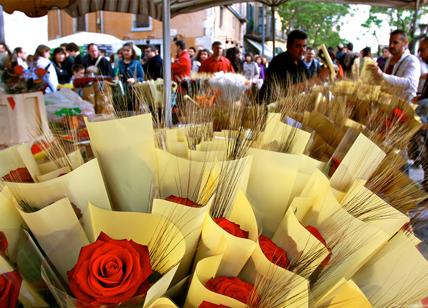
409 79
140 72
180 65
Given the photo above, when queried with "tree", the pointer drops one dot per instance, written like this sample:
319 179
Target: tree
321 21
396 19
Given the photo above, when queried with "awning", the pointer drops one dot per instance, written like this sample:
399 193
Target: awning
258 46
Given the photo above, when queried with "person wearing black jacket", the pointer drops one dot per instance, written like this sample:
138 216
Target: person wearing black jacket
154 65
97 64
58 61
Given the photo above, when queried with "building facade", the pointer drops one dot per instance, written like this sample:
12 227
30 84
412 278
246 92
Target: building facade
198 29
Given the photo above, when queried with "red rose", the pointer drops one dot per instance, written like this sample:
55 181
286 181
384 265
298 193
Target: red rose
399 114
40 72
180 200
3 243
315 232
10 284
231 287
110 272
36 148
274 253
206 304
20 175
18 70
231 227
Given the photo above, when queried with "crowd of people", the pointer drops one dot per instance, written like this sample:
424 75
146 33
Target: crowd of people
300 63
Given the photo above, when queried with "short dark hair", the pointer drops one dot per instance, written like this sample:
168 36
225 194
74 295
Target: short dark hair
193 48
296 35
57 51
350 46
90 45
216 43
309 48
180 44
152 47
17 50
77 67
63 45
399 32
366 51
72 47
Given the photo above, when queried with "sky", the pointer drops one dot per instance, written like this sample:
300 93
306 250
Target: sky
26 32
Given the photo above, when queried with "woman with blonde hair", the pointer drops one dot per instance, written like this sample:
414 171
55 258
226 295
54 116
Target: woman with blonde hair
42 61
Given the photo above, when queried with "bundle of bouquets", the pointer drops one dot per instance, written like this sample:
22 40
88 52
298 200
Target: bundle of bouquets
231 86
114 263
17 80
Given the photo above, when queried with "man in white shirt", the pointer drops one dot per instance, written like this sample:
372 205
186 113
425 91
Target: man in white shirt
402 70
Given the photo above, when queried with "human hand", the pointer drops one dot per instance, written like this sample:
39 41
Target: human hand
324 73
375 70
130 80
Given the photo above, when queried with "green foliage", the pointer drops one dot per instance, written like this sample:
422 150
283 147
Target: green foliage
321 21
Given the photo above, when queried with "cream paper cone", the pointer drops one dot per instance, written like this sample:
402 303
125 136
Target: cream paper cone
76 160
10 222
163 302
144 228
219 144
82 185
346 295
294 291
206 155
59 233
177 134
27 295
270 186
177 148
360 162
126 153
206 269
184 178
373 209
299 243
279 132
215 240
189 221
10 160
396 276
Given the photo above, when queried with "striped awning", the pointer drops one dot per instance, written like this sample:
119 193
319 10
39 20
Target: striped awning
153 8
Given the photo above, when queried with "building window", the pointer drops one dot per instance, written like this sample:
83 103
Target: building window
80 23
221 16
141 22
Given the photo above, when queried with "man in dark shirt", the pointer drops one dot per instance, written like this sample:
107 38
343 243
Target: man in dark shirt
94 59
287 69
154 65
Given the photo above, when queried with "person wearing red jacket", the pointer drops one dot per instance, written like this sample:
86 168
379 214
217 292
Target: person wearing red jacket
182 65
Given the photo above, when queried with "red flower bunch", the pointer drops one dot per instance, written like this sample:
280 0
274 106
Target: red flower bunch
231 287
110 271
18 70
180 200
273 252
3 243
10 284
399 114
206 304
315 232
231 227
40 72
20 175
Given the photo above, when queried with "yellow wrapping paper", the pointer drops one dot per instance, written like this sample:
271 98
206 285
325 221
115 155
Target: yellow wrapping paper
270 186
82 185
295 288
163 302
189 221
215 240
206 155
126 153
10 160
10 221
184 178
119 225
281 133
378 212
206 269
177 148
396 275
214 145
360 162
27 295
299 243
59 233
346 295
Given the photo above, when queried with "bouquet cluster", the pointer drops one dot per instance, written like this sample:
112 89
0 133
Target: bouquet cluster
16 80
302 206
